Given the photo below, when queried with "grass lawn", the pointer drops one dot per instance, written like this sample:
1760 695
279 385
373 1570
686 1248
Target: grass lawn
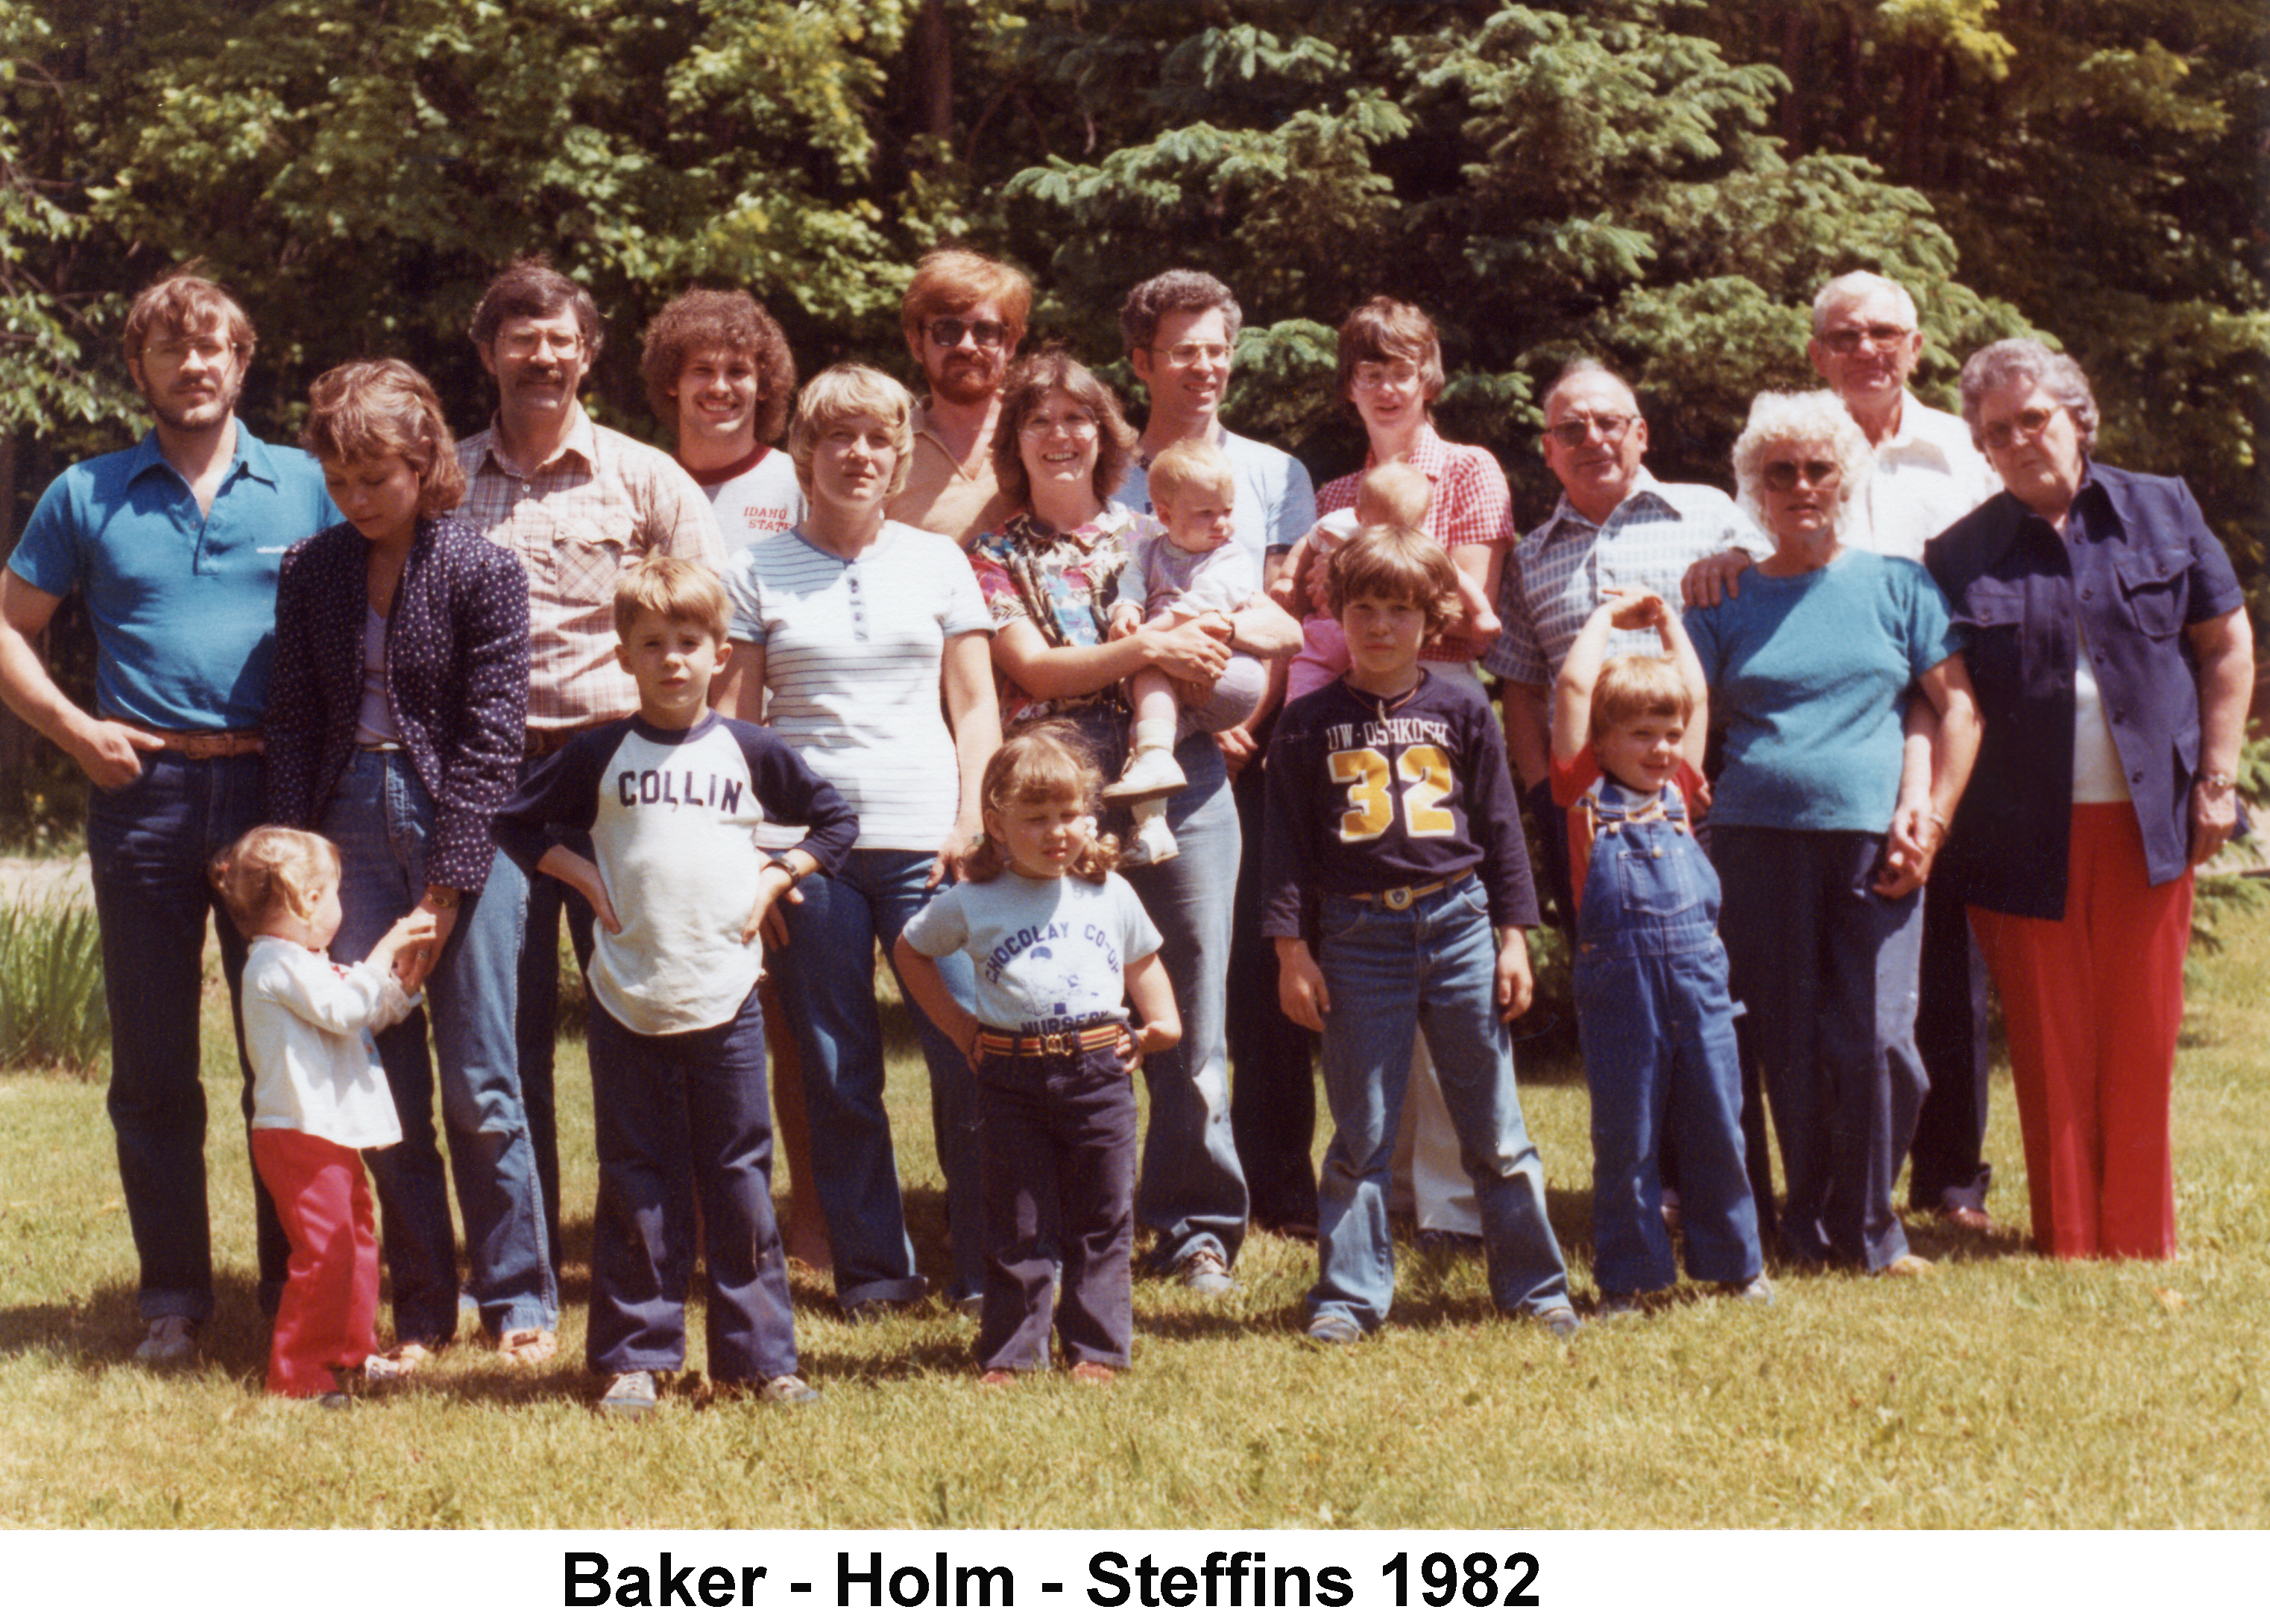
2004 1391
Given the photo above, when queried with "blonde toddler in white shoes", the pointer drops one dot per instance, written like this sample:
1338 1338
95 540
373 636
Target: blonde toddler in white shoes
1189 573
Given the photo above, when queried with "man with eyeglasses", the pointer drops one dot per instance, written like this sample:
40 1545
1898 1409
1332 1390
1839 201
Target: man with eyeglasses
1616 528
965 316
1926 475
1180 330
176 545
577 504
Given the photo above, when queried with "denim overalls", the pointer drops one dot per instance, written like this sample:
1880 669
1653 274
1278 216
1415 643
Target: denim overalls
1658 1028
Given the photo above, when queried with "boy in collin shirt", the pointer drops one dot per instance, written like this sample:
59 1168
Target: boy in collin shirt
671 799
1392 815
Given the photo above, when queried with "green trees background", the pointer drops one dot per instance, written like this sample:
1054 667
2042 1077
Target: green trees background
1662 182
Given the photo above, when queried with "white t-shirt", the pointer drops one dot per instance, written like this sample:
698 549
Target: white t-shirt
760 501
854 649
306 1026
1051 954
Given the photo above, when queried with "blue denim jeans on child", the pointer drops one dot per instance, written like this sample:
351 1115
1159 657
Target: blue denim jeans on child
827 988
678 1114
383 821
1390 974
1658 1028
148 845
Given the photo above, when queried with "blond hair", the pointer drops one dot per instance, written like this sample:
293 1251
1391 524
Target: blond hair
272 870
1632 686
846 390
676 589
1399 495
1046 761
1189 465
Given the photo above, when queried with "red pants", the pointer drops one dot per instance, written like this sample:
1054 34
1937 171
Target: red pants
328 1319
2093 1003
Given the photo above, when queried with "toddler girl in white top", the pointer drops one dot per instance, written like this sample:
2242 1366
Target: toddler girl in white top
1062 948
319 1096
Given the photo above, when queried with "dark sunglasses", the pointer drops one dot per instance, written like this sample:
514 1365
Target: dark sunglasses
947 331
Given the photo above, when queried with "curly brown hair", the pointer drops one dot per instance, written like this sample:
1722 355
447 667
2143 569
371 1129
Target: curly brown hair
705 320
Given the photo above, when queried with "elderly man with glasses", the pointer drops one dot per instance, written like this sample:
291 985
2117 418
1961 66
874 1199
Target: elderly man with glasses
965 316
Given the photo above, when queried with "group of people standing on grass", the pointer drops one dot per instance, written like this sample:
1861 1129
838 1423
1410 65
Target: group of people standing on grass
1123 746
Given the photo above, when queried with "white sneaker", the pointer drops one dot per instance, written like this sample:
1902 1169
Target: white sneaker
629 1393
172 1340
1149 773
1152 841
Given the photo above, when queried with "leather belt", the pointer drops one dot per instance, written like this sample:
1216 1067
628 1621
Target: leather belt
205 745
1400 897
1079 1040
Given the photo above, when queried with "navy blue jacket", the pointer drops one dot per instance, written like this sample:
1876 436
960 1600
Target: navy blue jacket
456 681
2135 567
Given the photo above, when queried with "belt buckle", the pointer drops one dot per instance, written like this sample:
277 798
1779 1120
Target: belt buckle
1056 1044
1397 898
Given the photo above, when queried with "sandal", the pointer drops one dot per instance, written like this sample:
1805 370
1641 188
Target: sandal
528 1347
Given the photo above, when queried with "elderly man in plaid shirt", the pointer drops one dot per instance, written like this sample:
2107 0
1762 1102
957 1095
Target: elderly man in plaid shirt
578 504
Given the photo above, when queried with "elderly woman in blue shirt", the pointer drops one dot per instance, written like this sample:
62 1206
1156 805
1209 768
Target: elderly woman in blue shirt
2113 661
1826 821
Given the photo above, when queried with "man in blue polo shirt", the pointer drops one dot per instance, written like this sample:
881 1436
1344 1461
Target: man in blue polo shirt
176 544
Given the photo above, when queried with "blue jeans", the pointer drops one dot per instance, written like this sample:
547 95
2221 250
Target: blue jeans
1060 1137
1657 1024
1829 970
148 845
1390 976
1191 1193
382 820
827 989
675 1113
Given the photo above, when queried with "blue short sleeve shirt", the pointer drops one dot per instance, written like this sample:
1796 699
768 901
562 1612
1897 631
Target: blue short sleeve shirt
183 602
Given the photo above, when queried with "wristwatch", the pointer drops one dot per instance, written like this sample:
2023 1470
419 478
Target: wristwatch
2217 782
442 899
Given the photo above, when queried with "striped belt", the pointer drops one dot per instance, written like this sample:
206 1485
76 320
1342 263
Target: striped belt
205 745
1401 897
1080 1040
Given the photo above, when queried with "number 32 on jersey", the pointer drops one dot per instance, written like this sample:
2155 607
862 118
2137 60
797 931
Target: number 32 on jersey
1423 771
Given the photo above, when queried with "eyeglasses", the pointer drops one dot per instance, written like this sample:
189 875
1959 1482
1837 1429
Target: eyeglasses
173 353
1880 335
1819 474
1192 354
947 332
520 345
1573 431
2029 423
1371 375
1078 425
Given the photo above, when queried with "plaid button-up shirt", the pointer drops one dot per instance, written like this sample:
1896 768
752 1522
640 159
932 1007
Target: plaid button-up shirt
1471 506
603 502
1562 571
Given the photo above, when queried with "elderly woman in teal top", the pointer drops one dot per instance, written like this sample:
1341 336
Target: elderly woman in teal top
1834 795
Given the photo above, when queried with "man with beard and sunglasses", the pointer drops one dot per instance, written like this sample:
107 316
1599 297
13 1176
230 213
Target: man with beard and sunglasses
577 504
965 316
176 545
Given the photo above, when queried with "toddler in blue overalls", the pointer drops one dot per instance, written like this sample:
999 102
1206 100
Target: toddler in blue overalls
1655 1019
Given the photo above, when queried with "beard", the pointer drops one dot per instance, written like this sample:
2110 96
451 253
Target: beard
967 382
191 417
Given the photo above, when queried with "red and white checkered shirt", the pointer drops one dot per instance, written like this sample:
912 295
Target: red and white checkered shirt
603 502
1471 507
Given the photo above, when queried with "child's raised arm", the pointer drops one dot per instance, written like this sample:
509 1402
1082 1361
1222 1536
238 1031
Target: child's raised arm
1681 650
1572 690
